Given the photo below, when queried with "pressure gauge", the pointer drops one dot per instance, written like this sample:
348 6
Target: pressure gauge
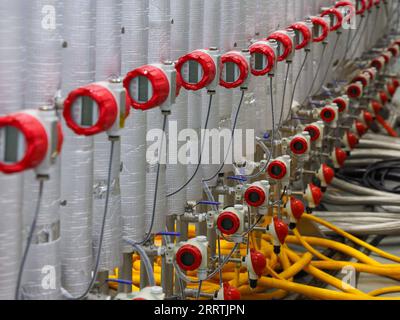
153 85
325 174
338 157
320 29
364 78
335 16
199 69
255 262
347 9
349 141
359 128
316 132
278 231
355 90
235 70
361 6
193 255
378 63
231 221
300 144
257 196
285 44
263 57
95 108
295 209
343 103
303 34
366 118
330 115
313 196
30 139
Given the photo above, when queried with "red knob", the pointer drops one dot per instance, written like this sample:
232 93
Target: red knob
297 207
188 257
228 222
368 118
286 42
298 145
281 229
351 139
339 17
383 97
254 196
36 142
258 262
314 132
340 155
277 169
360 128
230 292
302 28
318 21
391 89
376 106
208 69
316 193
328 173
102 99
240 62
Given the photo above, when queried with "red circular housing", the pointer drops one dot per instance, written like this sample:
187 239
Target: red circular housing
376 106
188 257
281 229
338 15
258 262
159 84
297 207
298 145
371 73
370 4
320 22
361 6
378 63
316 193
341 103
285 41
36 141
254 196
394 50
328 173
207 64
263 49
106 104
360 128
387 55
395 83
302 28
228 222
230 292
363 78
347 4
355 90
240 62
314 132
340 155
328 114
277 169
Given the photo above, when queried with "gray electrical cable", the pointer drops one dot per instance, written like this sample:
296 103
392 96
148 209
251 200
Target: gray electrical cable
103 223
146 261
360 200
29 239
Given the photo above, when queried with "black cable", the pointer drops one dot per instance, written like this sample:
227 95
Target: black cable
200 156
330 62
316 73
103 224
296 82
230 142
149 233
29 240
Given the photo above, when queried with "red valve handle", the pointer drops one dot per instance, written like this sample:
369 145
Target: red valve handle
325 28
306 33
337 14
285 40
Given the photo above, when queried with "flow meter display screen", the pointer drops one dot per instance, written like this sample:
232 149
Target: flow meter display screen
192 72
141 89
258 61
85 111
231 72
11 144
